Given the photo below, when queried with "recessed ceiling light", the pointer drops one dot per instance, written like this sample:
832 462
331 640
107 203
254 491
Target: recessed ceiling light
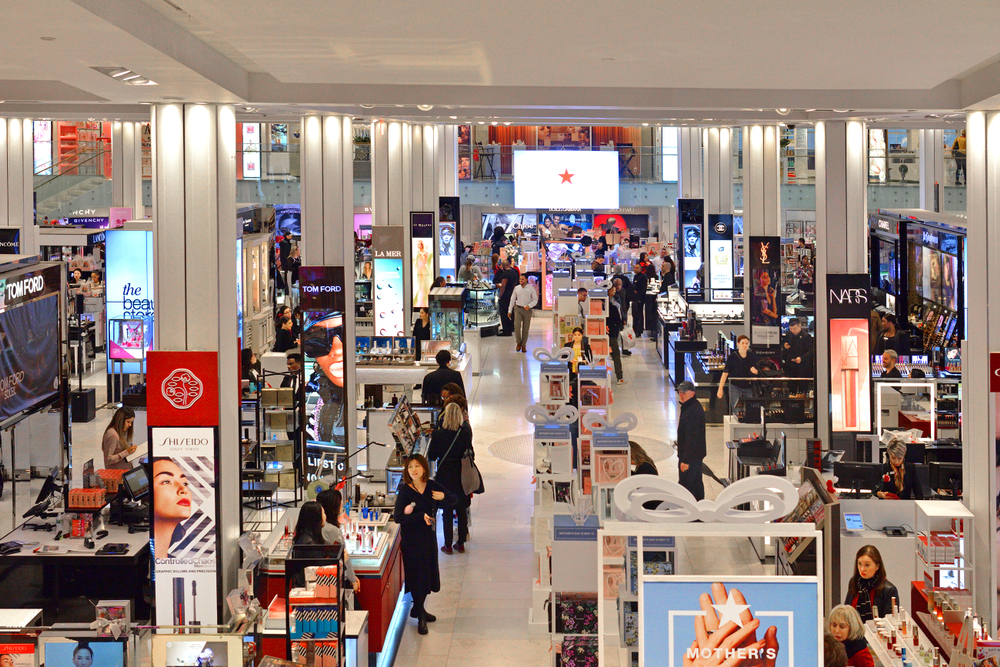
47 39
482 122
810 110
841 110
507 122
367 106
124 75
645 124
425 107
453 117
782 111
494 123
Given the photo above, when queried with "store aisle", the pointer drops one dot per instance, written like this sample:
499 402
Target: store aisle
482 608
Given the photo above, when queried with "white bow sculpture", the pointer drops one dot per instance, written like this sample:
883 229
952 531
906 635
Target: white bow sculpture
556 354
677 505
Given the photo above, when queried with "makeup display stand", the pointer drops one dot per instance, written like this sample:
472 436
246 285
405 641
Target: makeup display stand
594 391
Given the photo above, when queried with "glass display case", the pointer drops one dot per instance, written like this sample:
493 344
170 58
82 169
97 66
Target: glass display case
481 309
447 315
363 306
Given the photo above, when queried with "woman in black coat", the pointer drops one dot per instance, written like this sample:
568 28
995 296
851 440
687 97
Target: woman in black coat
417 501
452 429
422 330
870 587
899 476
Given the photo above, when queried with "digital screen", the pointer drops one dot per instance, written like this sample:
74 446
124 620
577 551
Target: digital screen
691 239
389 297
509 222
128 282
853 521
566 179
197 654
566 225
103 652
288 218
137 482
363 225
720 256
447 249
29 364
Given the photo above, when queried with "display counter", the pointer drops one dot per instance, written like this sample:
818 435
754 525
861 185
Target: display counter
898 553
410 375
380 572
51 573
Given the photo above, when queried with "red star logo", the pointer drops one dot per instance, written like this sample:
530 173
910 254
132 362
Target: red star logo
566 176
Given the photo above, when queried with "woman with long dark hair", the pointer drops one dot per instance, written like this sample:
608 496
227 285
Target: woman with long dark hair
309 526
332 502
117 443
641 460
417 500
870 588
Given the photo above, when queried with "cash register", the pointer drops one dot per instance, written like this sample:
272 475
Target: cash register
132 508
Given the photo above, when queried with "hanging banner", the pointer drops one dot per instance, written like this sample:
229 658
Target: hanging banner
764 290
183 525
29 364
720 252
690 220
323 344
387 249
421 257
848 309
449 238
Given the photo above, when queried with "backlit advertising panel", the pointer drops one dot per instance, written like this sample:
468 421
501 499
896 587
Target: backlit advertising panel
129 282
566 179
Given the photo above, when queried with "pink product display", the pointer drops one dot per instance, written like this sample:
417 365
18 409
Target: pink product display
610 467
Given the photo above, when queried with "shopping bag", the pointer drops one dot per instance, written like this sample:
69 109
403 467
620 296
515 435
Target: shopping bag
472 480
626 339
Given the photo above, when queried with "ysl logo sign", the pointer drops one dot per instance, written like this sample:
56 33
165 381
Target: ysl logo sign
182 388
763 252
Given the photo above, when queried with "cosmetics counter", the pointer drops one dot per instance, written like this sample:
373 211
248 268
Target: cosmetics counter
373 547
710 318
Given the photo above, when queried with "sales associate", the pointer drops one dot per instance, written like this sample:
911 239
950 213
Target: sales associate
741 364
899 476
870 587
797 350
117 443
889 358
892 338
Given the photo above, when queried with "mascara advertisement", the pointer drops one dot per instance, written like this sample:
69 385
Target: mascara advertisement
183 525
848 307
745 622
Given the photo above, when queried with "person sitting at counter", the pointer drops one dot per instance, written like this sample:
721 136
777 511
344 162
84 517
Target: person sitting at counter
870 588
309 526
892 338
899 476
117 441
742 363
332 501
846 627
889 359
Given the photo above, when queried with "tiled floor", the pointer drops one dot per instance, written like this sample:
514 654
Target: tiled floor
482 608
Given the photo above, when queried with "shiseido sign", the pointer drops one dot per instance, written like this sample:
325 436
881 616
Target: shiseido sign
322 288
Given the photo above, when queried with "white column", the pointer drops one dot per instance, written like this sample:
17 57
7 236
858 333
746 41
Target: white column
982 334
841 226
718 178
761 181
690 185
194 243
126 167
931 153
17 180
446 156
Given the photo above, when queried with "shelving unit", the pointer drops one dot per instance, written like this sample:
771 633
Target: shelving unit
942 557
305 644
282 457
659 556
593 387
364 318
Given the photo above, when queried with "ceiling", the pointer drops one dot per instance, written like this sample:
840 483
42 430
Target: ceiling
697 61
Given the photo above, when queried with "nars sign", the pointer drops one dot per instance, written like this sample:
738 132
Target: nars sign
320 289
848 296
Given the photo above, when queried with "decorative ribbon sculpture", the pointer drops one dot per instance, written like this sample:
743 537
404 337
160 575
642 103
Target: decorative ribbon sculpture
599 423
539 416
677 505
106 626
556 354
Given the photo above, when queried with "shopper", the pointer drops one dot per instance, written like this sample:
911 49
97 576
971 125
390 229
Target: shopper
506 280
430 391
958 152
284 340
462 404
522 306
580 346
641 461
117 442
691 449
469 271
250 368
581 302
870 587
293 379
297 322
614 326
668 274
834 654
742 363
846 627
640 283
417 501
309 526
498 240
449 443
874 329
892 338
439 282
890 370
332 503
797 350
899 476
421 330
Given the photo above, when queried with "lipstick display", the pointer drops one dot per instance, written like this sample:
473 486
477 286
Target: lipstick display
849 379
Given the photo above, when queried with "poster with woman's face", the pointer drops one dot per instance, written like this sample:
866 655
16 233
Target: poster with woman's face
17 654
85 653
764 301
183 524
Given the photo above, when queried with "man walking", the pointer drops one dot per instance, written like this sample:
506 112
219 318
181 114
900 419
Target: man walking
639 285
506 279
690 440
521 306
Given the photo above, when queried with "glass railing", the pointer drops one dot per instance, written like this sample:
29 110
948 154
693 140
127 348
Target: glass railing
60 183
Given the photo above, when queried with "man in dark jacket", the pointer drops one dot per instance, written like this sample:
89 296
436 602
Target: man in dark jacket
639 284
430 392
797 350
690 440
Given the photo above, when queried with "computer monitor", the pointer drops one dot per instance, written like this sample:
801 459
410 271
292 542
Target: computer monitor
946 476
944 455
857 476
924 477
830 457
136 483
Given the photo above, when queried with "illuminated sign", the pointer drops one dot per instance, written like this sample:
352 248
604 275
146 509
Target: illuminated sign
566 179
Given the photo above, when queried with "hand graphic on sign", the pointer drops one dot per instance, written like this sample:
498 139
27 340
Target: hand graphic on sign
715 636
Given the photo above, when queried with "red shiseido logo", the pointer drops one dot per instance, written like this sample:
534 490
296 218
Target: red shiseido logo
182 388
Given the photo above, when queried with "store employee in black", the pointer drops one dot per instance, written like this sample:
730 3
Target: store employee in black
889 359
797 350
892 338
741 364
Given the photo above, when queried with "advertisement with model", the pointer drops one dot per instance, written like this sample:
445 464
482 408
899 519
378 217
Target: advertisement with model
764 290
324 344
720 252
183 525
129 295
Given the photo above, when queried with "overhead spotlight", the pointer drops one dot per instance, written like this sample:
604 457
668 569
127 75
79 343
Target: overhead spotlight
841 110
425 107
810 110
494 123
482 122
367 106
453 117
782 111
507 122
645 124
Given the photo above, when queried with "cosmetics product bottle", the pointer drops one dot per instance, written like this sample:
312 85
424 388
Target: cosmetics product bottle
178 600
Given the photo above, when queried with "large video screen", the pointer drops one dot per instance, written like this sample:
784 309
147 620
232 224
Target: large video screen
632 224
566 179
933 276
129 282
29 354
288 218
509 222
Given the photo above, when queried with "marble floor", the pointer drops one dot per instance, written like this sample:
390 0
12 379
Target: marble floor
482 608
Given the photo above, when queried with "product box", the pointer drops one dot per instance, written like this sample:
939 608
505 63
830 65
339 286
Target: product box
114 611
286 397
269 397
278 421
